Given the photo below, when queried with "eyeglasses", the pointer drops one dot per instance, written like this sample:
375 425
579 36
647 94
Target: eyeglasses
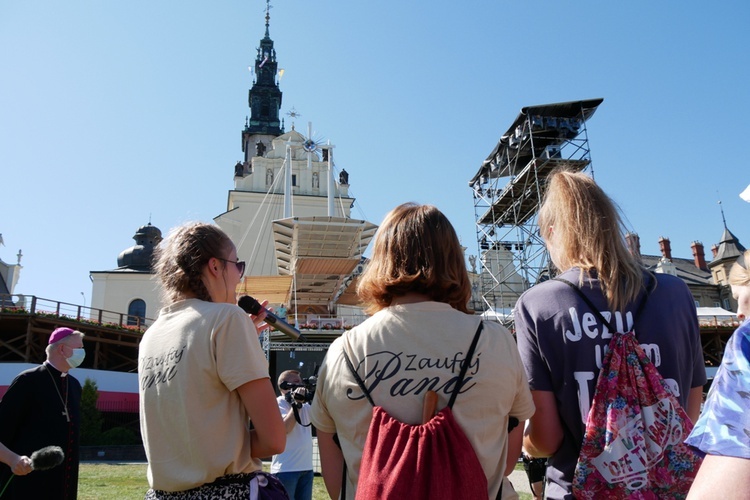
239 263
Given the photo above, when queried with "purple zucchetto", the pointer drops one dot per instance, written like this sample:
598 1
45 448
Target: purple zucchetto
59 334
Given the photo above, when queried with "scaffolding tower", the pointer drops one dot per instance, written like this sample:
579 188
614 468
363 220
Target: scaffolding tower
507 192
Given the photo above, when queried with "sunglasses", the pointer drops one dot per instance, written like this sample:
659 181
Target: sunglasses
239 263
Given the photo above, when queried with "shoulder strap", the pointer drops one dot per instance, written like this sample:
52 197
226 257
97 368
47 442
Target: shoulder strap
595 310
360 383
466 364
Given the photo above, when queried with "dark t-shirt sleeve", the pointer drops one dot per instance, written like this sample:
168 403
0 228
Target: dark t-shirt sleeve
699 363
536 368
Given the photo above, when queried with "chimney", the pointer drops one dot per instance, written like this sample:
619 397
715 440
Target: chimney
715 249
634 245
666 248
699 256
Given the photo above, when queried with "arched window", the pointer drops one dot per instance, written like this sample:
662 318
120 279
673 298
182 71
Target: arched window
136 312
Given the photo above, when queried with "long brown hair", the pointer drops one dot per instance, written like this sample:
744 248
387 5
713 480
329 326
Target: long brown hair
583 228
179 262
416 250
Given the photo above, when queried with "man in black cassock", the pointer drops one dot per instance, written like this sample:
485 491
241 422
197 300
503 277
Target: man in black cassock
42 408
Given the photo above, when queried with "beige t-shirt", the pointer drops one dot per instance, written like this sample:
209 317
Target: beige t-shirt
190 363
402 351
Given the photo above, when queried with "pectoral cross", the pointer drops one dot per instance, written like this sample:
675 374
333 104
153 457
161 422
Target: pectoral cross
65 413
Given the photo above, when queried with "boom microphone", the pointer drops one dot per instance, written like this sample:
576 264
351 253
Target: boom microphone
47 458
252 306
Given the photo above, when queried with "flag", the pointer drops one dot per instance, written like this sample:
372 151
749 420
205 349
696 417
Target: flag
281 73
745 195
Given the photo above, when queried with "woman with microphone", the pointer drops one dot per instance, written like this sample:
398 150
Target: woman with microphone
203 375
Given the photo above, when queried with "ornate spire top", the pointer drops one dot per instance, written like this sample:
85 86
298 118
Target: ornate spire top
723 219
268 16
264 97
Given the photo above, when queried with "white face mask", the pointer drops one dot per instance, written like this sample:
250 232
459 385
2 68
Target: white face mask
77 358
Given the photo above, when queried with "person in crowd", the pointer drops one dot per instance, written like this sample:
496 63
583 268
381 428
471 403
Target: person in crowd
203 375
723 429
294 467
417 289
41 408
562 349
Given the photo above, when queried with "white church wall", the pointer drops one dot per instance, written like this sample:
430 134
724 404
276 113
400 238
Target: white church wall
114 291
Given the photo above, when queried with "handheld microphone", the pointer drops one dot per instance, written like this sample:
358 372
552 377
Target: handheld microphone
43 459
47 458
252 306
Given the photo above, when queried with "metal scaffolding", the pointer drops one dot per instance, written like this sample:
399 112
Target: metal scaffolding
507 192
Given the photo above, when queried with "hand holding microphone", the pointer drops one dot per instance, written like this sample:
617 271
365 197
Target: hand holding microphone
21 466
42 459
252 306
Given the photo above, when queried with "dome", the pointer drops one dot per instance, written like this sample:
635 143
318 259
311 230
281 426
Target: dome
140 255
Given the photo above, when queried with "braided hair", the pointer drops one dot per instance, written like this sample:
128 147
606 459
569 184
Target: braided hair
179 263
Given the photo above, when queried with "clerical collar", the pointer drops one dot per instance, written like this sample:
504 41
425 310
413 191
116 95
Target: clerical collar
50 365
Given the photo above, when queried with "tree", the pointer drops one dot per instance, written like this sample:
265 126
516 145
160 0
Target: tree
91 417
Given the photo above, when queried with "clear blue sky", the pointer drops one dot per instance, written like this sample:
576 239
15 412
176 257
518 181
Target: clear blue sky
112 113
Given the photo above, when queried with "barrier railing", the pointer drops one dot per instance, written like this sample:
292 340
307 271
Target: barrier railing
46 308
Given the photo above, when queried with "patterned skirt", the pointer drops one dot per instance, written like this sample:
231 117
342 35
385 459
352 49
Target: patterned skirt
255 486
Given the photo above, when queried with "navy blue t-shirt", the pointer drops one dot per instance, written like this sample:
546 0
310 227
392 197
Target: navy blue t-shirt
562 345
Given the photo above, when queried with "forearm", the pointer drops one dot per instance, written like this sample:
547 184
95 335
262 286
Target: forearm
533 450
19 464
268 436
263 448
515 437
290 421
734 473
332 463
544 434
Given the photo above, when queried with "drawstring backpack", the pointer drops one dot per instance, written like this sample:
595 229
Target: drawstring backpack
434 460
635 431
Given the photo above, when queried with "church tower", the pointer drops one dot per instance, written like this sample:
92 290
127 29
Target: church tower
264 99
262 178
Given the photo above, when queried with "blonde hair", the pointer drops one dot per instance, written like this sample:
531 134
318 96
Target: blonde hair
586 230
180 260
739 275
416 250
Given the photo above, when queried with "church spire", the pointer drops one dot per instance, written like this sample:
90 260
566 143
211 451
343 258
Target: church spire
268 16
264 97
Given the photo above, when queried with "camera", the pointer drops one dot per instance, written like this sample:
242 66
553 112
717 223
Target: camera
297 397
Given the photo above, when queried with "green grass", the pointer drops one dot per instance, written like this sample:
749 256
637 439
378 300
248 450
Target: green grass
128 481
110 481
